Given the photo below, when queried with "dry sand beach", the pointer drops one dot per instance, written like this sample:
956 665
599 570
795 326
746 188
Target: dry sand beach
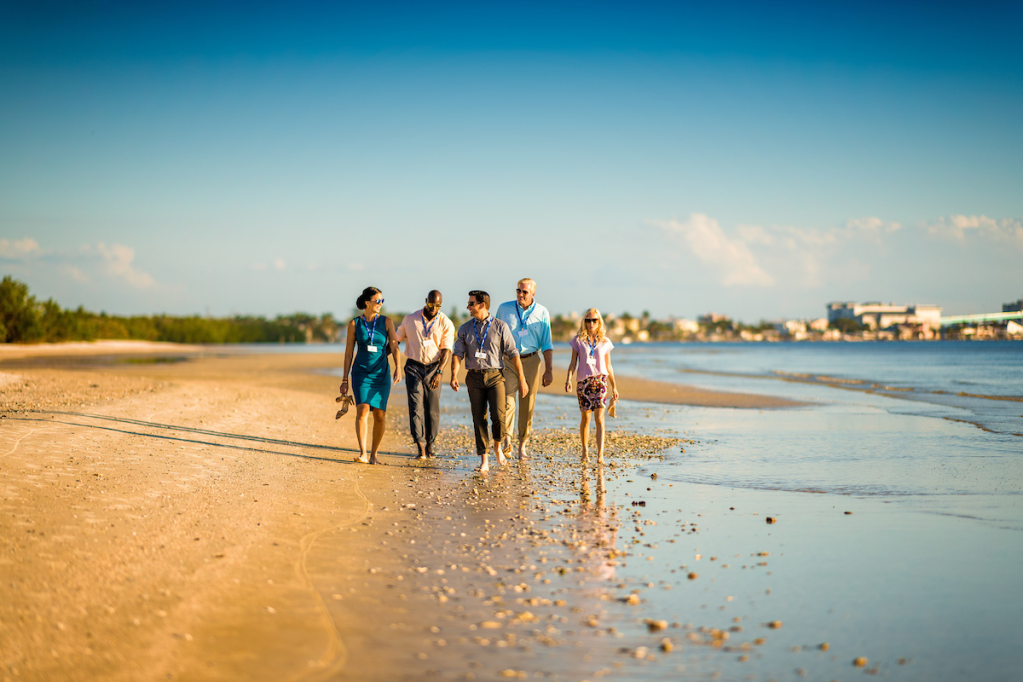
170 515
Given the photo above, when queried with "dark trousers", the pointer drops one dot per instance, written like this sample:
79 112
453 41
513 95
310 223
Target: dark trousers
486 389
423 401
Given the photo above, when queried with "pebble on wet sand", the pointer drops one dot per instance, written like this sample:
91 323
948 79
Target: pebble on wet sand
860 661
656 625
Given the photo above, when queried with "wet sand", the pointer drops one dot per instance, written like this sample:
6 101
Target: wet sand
202 519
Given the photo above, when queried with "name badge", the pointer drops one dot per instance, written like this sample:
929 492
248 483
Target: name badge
480 355
523 332
372 349
592 362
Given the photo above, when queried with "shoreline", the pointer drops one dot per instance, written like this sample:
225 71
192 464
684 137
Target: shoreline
630 388
203 520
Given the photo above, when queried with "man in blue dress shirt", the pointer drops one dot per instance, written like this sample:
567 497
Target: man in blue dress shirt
530 325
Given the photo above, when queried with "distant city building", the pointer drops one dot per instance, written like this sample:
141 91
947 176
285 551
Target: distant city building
712 318
684 326
1014 307
875 315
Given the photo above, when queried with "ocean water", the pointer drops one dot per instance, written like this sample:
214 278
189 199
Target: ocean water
897 496
921 576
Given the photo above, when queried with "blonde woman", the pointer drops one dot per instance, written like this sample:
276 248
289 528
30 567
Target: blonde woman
591 363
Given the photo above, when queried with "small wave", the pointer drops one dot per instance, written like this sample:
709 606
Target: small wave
1010 398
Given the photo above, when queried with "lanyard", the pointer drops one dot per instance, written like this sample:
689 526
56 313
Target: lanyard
486 332
593 346
427 330
371 333
523 318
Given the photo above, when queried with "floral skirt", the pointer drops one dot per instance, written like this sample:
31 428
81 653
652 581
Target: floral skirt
591 392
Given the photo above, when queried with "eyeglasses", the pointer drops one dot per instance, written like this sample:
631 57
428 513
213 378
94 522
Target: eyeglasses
432 305
378 301
522 291
590 320
473 304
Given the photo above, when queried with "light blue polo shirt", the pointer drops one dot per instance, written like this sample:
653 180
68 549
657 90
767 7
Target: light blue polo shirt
535 321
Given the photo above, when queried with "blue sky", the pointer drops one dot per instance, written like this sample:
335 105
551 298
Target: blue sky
750 159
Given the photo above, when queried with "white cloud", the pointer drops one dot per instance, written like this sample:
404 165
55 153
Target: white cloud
76 273
755 234
871 226
729 255
279 264
20 249
783 255
961 227
117 263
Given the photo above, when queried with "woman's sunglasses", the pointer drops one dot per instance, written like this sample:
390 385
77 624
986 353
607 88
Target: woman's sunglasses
590 320
378 301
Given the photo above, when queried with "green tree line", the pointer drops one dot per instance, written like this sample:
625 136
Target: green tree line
23 319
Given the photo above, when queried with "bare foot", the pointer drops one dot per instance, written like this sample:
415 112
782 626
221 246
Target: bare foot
600 459
522 450
506 442
501 459
483 468
373 459
362 459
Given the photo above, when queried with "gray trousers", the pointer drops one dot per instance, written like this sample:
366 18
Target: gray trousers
423 401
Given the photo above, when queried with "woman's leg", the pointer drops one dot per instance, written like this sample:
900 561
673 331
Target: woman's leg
599 414
361 417
379 424
584 431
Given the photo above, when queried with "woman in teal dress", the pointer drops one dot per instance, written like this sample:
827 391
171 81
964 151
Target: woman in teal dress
371 339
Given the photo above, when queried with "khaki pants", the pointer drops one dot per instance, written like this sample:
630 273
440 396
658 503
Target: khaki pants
531 368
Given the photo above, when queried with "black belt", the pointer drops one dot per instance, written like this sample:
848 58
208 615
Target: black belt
529 355
421 364
484 370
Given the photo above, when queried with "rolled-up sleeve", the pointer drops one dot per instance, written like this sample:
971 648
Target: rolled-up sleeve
545 333
459 348
447 338
508 347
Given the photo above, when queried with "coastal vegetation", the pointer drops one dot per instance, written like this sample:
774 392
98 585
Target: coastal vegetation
24 319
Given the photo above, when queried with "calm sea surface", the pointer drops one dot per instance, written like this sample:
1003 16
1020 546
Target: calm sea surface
898 494
916 440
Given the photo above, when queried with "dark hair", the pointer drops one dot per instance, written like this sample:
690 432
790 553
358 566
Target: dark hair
367 293
481 297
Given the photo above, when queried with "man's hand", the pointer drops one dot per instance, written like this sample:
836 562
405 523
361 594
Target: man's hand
454 382
523 388
435 381
548 377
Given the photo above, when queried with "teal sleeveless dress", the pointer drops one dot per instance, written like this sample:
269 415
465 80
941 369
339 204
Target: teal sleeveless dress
371 376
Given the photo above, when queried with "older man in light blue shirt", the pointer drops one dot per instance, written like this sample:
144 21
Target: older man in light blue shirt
530 325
